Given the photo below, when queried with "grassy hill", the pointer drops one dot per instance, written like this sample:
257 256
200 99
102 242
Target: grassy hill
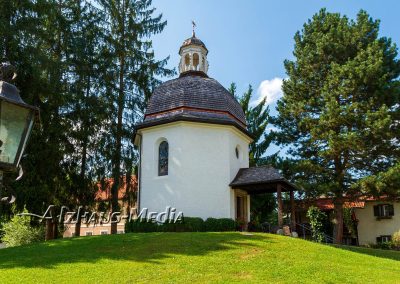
195 257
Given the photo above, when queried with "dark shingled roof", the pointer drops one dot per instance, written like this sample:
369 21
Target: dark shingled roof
193 97
260 180
193 40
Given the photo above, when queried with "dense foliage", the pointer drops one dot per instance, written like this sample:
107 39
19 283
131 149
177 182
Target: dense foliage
396 239
340 109
348 221
18 231
90 67
317 221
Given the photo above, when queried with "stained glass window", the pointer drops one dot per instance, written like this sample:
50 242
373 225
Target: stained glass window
163 159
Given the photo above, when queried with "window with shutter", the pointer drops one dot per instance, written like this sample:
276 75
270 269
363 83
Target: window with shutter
383 239
383 211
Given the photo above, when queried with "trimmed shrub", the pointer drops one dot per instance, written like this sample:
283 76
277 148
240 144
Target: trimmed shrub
219 225
193 224
226 224
211 225
136 226
169 227
19 232
188 224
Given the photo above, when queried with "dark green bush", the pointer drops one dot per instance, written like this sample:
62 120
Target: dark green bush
211 225
384 245
219 225
226 224
188 224
193 224
137 226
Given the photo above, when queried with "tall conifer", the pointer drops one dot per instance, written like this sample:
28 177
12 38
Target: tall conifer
339 105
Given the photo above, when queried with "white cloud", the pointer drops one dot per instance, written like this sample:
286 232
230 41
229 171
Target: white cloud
270 89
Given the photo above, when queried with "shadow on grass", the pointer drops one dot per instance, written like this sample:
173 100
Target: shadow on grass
143 247
388 254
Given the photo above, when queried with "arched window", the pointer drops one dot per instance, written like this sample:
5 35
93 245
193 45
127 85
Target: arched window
163 159
195 60
187 60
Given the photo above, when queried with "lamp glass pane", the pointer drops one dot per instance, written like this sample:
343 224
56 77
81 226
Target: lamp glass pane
13 119
30 125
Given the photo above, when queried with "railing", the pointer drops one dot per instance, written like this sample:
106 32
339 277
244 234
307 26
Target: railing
303 230
327 239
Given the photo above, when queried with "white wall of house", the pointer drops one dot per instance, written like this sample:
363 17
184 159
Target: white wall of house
369 227
202 163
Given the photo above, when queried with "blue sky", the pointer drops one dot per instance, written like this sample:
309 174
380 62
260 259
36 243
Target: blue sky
249 40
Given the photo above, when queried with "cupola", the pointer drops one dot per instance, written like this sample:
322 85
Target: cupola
193 54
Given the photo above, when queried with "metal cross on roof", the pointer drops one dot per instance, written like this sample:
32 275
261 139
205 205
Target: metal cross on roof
193 26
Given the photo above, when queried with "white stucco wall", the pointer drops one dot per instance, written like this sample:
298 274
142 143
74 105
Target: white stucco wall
202 163
369 228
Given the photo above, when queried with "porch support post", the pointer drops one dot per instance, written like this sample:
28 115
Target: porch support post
280 205
293 212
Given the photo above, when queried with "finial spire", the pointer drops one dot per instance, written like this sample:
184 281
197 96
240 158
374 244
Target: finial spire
193 26
193 54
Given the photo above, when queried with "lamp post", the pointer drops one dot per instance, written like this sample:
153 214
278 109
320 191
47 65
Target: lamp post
16 121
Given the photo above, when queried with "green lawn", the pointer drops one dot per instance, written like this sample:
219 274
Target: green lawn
195 257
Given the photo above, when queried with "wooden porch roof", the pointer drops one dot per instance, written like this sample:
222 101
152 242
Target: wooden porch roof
264 179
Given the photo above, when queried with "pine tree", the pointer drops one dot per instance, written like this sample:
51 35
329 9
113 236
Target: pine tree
86 107
130 78
257 119
339 105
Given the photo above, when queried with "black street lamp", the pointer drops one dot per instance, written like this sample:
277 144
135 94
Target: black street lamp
16 121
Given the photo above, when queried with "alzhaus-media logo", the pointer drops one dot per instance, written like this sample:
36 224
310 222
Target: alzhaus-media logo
170 215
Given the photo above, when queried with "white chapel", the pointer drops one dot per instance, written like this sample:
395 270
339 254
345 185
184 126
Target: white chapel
193 145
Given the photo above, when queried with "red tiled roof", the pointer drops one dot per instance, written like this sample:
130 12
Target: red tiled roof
104 191
326 203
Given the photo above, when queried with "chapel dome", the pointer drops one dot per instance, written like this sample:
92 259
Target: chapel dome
193 41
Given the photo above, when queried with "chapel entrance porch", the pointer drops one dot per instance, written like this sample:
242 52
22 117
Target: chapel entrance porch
257 180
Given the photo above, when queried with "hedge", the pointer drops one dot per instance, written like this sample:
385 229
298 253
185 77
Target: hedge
188 224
